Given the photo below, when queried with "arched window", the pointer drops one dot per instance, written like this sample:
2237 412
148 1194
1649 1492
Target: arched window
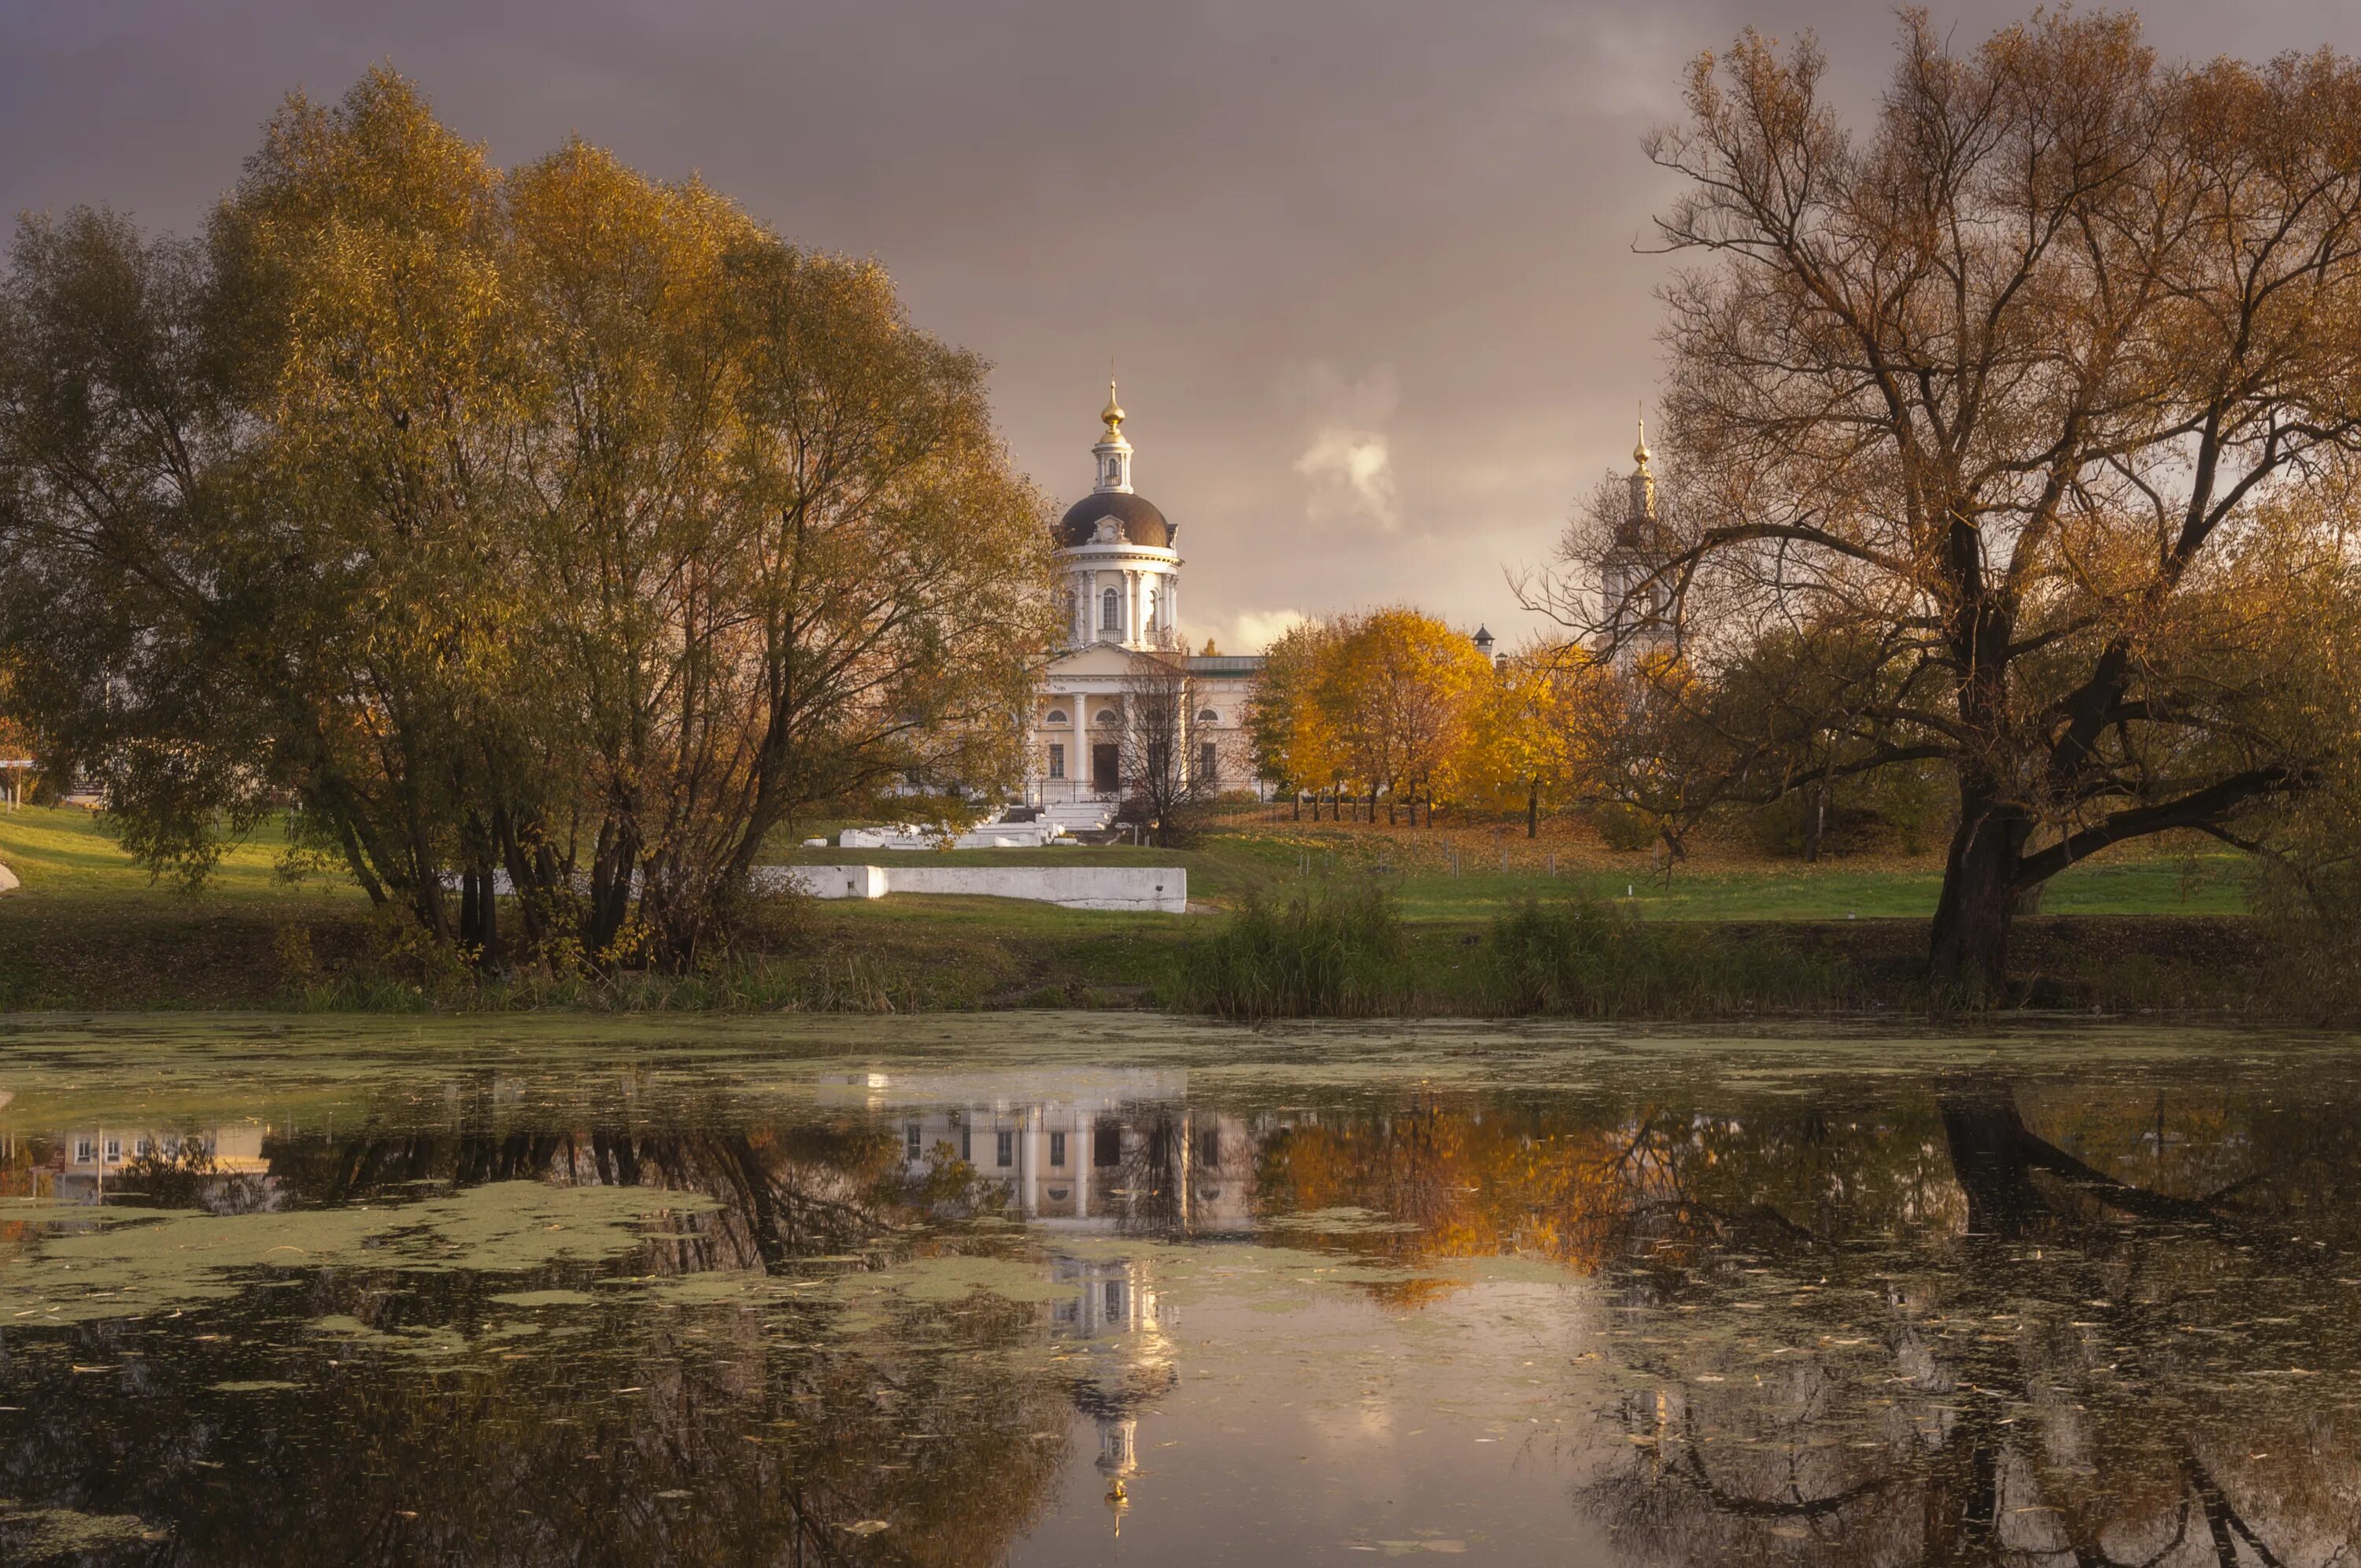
1207 716
1109 716
1110 611
1057 716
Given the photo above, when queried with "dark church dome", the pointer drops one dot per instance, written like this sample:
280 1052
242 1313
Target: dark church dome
1138 522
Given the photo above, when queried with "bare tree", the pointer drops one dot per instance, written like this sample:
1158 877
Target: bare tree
1158 760
2010 407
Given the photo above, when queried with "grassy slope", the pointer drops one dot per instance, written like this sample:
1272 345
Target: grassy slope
92 928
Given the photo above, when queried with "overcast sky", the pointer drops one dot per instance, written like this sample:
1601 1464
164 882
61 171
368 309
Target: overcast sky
1366 268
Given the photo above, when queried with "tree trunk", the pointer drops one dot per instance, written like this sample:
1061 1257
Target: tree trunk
1533 811
1968 945
1373 805
488 914
530 897
469 894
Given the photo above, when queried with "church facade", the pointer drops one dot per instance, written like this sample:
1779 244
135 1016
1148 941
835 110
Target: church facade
1119 583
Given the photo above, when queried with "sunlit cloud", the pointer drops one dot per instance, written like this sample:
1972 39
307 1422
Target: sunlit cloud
1348 461
1252 631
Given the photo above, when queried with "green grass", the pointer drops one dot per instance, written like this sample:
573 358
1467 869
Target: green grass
66 852
1414 865
1833 892
92 928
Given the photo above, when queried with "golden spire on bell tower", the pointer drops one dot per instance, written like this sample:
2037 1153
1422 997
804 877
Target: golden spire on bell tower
1640 452
1113 413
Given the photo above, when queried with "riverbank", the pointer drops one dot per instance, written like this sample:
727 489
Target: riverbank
1725 938
950 955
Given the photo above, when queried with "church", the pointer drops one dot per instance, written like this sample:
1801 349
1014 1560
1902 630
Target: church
1118 568
1119 583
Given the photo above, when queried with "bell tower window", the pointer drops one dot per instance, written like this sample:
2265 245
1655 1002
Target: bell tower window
1110 611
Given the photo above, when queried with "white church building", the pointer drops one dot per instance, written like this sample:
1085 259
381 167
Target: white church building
1119 572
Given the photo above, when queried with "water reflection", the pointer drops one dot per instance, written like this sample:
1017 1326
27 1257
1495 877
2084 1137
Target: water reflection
954 1317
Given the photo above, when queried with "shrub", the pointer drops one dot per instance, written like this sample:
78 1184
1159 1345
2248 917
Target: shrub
1326 952
1622 827
1583 955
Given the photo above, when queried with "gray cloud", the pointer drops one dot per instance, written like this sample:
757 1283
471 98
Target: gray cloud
1233 198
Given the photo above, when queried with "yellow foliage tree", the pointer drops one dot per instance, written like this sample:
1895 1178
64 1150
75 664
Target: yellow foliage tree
1400 690
1294 746
1521 745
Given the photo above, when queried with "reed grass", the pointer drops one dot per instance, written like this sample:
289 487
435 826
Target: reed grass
1322 951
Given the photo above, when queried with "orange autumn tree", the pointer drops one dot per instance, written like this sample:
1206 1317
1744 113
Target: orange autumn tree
1293 745
1523 747
1400 691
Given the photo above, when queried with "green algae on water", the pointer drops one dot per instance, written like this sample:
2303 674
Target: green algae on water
177 1259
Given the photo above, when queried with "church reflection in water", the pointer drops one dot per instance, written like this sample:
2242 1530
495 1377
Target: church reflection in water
1962 1318
1113 1152
1085 1154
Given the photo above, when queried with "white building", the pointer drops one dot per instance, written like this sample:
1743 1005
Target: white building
1120 577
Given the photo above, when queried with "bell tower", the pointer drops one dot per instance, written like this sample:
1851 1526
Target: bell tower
1634 602
1113 452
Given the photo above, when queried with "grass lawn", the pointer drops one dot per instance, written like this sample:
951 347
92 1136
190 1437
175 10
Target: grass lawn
92 928
65 852
1717 885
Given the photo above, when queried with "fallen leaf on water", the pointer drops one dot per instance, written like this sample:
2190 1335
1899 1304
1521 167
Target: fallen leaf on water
867 1526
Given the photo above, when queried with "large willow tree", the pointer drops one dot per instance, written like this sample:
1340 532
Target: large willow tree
555 523
2017 424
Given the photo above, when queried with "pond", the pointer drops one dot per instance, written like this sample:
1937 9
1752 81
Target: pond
1071 1288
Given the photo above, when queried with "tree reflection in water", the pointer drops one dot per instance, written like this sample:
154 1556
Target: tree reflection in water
1915 1328
1964 1321
749 1434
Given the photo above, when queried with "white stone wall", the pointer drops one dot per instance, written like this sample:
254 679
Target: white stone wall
1162 889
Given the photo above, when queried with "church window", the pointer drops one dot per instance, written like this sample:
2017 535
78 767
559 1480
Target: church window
1209 762
1109 716
1057 1151
1057 716
1207 716
1057 761
1003 1148
1110 611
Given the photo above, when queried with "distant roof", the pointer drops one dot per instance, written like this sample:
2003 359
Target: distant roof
1142 523
1225 664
